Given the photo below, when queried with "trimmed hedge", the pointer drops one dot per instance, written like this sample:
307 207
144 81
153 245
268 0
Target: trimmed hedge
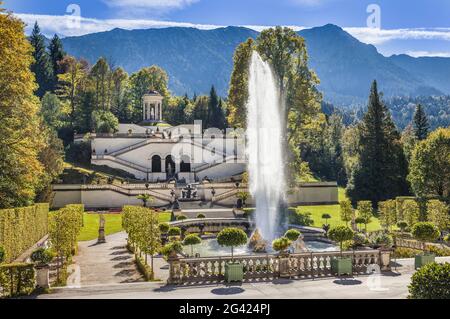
21 228
17 279
431 282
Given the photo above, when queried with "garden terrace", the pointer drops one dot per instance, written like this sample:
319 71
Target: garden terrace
269 267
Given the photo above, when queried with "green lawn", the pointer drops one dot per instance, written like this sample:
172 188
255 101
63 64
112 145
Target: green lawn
333 210
113 224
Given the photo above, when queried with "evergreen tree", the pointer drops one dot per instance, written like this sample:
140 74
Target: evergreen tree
421 126
41 66
382 168
216 117
57 54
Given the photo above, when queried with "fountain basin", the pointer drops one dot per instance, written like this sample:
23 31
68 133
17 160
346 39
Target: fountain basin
210 248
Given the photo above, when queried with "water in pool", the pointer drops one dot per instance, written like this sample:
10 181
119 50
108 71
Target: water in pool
210 248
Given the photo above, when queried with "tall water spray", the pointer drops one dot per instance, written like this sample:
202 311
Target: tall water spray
264 146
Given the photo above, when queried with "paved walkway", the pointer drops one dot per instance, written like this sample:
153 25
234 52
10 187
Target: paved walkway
108 263
387 286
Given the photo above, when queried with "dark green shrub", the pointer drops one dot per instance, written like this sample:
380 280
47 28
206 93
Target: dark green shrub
431 282
384 240
164 228
425 232
181 217
232 237
301 218
340 234
281 244
42 256
359 239
192 240
17 279
201 216
174 231
292 234
171 248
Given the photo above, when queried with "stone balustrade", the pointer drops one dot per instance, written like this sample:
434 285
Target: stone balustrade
268 267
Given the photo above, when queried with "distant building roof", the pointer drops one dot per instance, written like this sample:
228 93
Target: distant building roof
152 92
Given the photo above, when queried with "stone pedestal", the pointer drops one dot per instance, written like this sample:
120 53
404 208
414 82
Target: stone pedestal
101 231
174 270
42 276
284 265
385 259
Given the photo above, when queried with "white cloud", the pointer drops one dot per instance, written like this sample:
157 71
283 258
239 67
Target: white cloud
150 4
418 54
380 36
63 26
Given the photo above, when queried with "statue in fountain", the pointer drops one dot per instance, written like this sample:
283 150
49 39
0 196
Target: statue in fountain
257 242
299 245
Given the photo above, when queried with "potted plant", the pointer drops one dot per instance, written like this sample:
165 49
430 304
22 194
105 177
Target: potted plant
192 240
425 232
281 245
232 237
42 257
341 265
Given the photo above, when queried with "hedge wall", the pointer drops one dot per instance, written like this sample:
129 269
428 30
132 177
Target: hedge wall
17 279
21 228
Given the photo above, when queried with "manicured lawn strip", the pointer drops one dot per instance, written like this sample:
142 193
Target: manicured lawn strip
333 210
113 224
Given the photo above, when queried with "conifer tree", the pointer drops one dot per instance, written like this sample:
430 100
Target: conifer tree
382 168
216 117
41 66
421 126
56 54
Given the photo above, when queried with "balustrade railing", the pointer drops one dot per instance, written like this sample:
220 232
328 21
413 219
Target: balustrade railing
268 266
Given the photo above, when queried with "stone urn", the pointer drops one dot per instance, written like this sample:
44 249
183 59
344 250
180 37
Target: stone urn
42 276
284 267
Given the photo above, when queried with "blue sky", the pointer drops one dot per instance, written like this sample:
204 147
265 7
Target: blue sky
419 27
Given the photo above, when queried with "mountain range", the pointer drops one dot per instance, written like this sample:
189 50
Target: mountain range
196 59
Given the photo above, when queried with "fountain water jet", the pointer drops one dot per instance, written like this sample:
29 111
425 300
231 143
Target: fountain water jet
264 146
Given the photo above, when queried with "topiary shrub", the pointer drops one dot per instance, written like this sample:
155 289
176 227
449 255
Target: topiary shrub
340 234
359 240
232 237
431 282
292 234
174 231
326 217
425 232
192 240
201 216
164 228
383 240
2 254
42 256
281 244
174 247
181 217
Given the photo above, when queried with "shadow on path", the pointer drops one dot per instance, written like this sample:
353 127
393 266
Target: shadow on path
228 291
347 282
